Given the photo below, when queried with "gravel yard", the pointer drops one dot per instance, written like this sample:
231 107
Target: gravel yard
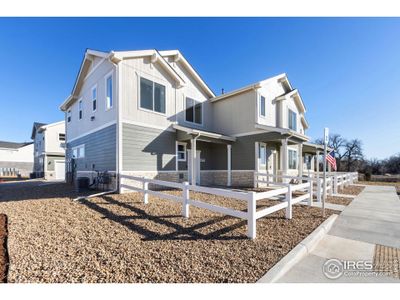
338 200
3 248
351 190
116 238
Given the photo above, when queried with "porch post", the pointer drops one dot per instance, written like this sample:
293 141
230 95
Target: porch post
193 161
284 158
229 155
300 165
312 167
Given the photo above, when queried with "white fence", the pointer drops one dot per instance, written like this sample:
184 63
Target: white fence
334 181
283 191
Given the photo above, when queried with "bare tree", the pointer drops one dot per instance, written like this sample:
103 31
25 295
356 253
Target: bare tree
337 143
353 153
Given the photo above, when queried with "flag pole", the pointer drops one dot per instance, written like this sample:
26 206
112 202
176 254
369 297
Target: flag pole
326 138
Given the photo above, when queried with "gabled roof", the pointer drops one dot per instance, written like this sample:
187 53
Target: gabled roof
280 78
36 126
116 57
178 57
296 97
13 145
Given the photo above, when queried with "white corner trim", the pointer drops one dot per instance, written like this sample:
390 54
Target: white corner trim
91 131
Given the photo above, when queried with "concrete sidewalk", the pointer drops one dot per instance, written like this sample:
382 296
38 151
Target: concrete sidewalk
372 218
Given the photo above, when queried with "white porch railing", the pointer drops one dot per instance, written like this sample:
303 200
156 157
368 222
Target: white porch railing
251 215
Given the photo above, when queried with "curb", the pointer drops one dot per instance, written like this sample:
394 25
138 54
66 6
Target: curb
298 252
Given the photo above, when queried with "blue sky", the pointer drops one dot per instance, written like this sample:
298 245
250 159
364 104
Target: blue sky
347 69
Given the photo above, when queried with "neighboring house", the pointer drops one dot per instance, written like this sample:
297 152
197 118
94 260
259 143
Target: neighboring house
149 113
16 158
49 150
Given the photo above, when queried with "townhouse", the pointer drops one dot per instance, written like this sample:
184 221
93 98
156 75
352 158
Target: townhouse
49 150
149 113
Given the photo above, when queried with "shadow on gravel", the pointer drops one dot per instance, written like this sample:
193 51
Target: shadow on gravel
36 191
180 233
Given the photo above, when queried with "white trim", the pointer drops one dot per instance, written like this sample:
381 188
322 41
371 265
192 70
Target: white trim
146 125
184 151
91 131
79 147
202 112
289 148
259 107
97 96
80 108
203 133
262 145
108 75
139 98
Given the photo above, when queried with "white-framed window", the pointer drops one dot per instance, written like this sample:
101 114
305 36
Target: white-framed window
61 137
292 154
193 111
94 98
78 151
152 96
80 107
69 116
109 91
262 106
262 154
181 151
292 120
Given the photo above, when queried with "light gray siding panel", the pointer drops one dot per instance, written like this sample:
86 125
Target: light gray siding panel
147 149
100 149
243 153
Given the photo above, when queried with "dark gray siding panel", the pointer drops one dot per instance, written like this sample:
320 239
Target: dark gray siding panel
147 149
243 153
100 148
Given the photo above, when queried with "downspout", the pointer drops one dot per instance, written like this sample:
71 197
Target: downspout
118 144
193 143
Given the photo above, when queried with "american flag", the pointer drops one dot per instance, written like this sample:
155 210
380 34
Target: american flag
330 157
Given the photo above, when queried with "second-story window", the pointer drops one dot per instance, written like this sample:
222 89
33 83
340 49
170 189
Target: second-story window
80 109
94 98
152 95
292 118
194 111
109 92
262 106
69 116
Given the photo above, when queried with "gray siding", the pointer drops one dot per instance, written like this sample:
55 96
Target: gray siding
147 149
243 153
100 149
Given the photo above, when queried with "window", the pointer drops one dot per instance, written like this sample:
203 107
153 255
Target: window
262 154
61 137
78 152
194 111
80 109
262 106
69 116
181 151
292 159
109 92
152 95
292 120
94 98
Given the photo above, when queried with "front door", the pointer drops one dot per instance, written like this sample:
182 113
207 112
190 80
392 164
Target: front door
197 164
266 160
